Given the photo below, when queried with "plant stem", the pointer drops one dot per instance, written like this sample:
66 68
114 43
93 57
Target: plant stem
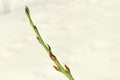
35 29
58 67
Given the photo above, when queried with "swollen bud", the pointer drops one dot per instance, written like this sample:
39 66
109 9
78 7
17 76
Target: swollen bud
35 28
57 68
53 57
67 69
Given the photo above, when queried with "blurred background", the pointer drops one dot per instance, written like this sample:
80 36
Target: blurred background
84 34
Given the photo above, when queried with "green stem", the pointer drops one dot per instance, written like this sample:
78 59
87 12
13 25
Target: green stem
67 74
36 32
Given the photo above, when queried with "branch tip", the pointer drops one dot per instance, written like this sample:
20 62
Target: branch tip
58 67
26 10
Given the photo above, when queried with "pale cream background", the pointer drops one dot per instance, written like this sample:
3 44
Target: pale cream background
84 34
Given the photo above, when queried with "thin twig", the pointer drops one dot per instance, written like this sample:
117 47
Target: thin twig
58 66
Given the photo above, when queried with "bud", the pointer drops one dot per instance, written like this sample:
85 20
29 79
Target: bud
26 10
52 57
49 47
35 28
37 38
57 68
67 69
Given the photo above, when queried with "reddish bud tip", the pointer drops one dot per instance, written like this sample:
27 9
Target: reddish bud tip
67 69
57 68
37 38
52 57
35 28
26 9
49 47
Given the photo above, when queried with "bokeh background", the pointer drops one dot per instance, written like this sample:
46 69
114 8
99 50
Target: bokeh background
84 34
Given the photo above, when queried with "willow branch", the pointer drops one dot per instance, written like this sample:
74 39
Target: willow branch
65 70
